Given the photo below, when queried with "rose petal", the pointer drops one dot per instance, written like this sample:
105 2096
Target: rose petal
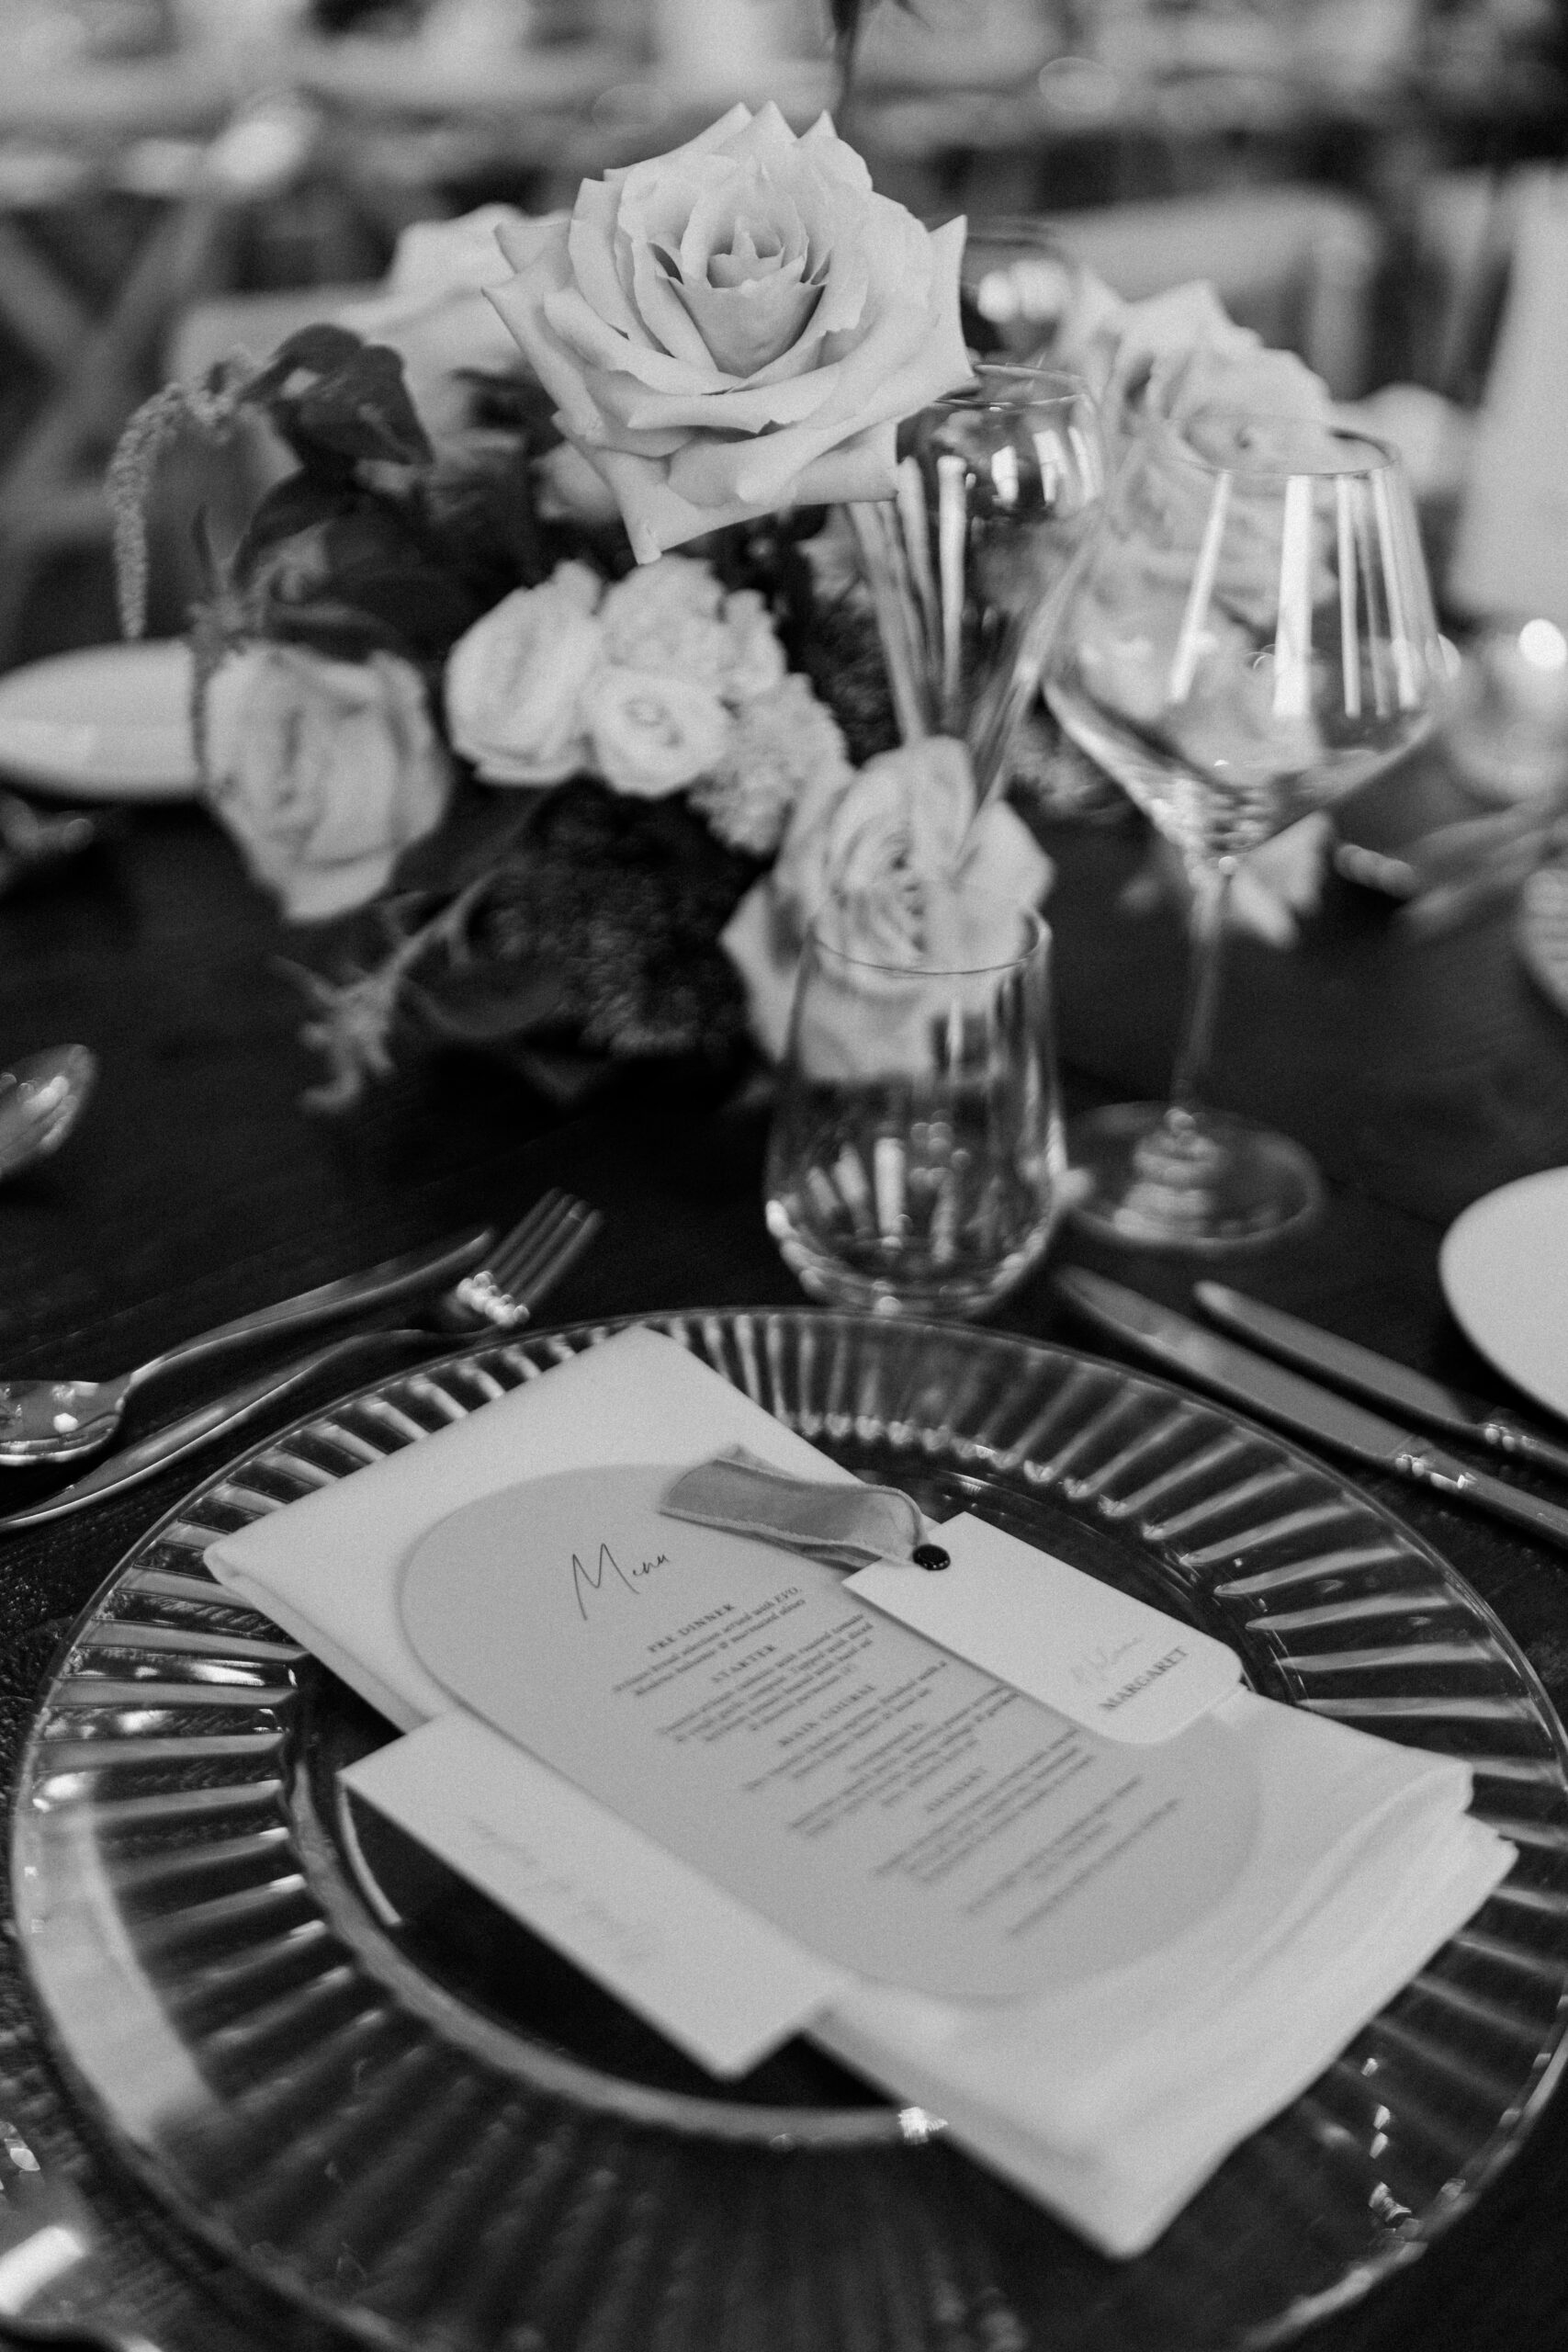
590 250
748 409
743 328
830 153
654 207
584 333
747 258
524 240
746 327
657 517
718 134
743 203
519 305
618 400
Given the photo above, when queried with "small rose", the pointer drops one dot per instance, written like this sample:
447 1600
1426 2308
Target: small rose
323 771
1177 364
652 734
887 855
673 614
669 615
898 826
431 311
515 681
1173 356
736 325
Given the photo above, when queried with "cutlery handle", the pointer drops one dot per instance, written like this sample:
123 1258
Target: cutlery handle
1511 1437
410 1276
149 1454
1449 1476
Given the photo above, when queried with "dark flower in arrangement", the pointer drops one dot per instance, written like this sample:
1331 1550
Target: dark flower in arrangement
622 902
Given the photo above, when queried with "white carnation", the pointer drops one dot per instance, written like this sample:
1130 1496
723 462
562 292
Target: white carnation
781 741
756 657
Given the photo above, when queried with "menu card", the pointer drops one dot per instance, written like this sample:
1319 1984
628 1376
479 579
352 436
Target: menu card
1101 1965
898 1811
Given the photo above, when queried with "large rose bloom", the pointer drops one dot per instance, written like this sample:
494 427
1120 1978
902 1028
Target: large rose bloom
736 326
323 772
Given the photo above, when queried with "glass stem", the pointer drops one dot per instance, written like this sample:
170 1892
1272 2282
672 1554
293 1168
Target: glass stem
1206 927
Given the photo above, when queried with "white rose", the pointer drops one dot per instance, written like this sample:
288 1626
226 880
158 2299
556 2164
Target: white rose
880 854
673 614
736 326
515 681
898 826
323 772
431 311
652 734
668 616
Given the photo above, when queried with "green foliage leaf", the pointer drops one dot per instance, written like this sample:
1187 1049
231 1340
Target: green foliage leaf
338 400
355 575
295 505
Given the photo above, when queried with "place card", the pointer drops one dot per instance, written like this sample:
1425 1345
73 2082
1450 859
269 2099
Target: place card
1098 1655
723 1985
894 1809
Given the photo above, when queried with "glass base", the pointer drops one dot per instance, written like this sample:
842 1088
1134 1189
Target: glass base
900 1286
1162 1179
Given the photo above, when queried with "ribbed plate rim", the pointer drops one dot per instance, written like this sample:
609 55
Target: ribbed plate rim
1488 2158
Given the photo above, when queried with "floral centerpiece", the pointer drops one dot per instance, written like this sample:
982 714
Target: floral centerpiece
543 672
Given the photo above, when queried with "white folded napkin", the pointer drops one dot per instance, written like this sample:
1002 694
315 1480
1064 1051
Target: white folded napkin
1111 2098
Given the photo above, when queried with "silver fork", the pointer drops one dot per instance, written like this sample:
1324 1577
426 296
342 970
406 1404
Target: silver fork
53 2256
537 1251
533 1257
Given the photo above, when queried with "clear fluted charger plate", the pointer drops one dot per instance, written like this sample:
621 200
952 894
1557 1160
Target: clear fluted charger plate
332 2064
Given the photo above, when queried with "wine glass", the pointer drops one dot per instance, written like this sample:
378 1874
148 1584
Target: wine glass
997 485
1248 637
1016 285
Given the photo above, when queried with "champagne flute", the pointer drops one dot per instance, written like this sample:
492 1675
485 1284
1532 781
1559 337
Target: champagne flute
997 486
1248 637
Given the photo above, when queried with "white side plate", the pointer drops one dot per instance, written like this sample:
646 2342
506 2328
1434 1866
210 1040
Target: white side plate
1504 1266
109 723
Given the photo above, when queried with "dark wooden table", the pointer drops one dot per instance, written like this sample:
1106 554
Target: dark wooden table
1422 1075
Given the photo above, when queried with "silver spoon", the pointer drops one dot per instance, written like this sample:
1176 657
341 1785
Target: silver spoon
42 1098
46 1421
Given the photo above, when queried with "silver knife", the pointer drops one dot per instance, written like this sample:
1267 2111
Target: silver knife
1266 1389
133 1464
1349 1365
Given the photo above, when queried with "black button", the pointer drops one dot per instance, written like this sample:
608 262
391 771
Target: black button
931 1555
